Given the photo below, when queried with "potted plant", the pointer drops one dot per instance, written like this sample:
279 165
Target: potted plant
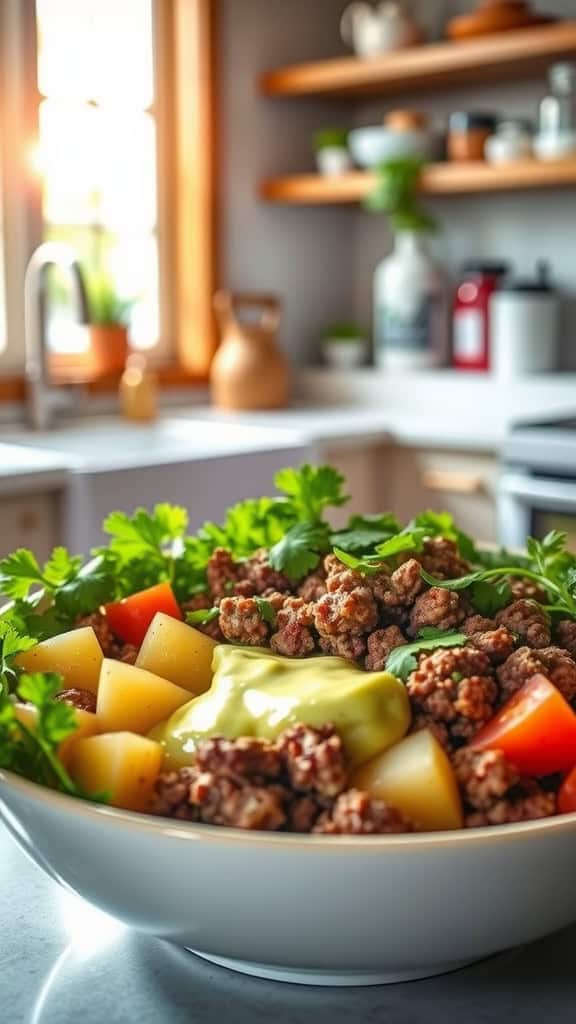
109 314
344 345
410 292
332 156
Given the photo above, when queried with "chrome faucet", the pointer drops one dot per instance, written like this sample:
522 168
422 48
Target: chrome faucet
42 398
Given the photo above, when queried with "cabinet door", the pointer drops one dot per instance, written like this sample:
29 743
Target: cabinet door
30 521
361 468
462 483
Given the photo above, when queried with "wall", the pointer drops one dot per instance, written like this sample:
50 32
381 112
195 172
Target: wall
322 259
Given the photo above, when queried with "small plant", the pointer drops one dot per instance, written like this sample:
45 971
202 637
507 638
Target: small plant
396 193
105 306
344 332
331 138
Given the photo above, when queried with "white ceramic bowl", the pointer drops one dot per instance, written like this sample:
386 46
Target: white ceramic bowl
373 145
338 910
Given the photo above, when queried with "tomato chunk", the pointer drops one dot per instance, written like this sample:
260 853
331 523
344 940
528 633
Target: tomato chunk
536 730
567 794
130 618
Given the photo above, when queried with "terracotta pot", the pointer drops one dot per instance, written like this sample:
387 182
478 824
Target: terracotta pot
248 371
108 348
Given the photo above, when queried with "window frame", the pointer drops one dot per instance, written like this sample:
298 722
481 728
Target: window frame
185 45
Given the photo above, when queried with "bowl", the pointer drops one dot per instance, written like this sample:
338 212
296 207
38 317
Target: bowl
373 145
334 910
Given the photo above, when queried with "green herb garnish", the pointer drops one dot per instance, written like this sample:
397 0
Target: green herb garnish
266 610
402 660
202 616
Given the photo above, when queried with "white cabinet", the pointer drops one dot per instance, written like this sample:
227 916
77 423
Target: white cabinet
30 521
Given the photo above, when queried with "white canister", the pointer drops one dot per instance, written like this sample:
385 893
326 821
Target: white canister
524 319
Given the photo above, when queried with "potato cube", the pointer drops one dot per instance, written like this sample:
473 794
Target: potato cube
177 652
86 725
132 698
416 777
76 656
122 765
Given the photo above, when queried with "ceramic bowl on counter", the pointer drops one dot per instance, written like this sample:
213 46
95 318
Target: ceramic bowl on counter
404 134
337 910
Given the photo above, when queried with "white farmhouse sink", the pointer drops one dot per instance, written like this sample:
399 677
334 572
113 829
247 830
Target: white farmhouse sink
205 466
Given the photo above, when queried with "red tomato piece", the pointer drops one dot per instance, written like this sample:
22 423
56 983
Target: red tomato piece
536 730
567 794
130 618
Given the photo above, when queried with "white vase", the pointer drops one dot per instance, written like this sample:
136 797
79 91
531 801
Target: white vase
344 355
333 160
410 306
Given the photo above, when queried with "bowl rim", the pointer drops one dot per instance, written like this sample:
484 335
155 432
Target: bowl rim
189 831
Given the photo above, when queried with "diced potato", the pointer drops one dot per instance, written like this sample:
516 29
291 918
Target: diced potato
177 652
132 698
76 656
416 777
122 765
86 725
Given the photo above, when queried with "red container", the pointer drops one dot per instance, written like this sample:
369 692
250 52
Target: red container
471 320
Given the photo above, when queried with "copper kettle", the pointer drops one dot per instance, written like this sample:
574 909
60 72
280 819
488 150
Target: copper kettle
249 371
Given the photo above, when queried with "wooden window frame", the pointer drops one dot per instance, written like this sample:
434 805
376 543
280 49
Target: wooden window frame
185 52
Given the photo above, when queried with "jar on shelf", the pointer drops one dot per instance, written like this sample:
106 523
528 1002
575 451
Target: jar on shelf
471 341
557 122
467 134
511 141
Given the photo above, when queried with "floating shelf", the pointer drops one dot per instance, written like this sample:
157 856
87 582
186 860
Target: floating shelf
437 179
508 55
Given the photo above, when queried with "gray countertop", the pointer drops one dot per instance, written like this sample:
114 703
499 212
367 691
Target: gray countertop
61 961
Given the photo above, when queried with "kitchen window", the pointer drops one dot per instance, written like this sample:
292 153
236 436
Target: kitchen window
109 111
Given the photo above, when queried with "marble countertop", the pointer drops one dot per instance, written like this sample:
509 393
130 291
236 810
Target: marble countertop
62 961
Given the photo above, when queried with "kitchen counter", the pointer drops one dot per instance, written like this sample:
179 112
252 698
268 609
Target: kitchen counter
62 961
25 470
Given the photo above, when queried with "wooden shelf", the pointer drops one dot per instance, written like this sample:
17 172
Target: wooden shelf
437 179
517 54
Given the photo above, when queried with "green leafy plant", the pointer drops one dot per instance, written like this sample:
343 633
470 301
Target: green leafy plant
403 660
344 332
105 306
396 193
331 138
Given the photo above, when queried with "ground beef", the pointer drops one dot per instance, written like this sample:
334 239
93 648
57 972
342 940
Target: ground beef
484 776
314 760
553 662
454 686
294 622
528 620
380 643
222 572
441 558
566 635
355 813
523 808
438 729
313 587
246 758
258 571
332 564
523 589
221 801
477 624
401 588
112 646
443 609
84 700
241 622
351 611
497 644
302 813
347 645
345 581
172 795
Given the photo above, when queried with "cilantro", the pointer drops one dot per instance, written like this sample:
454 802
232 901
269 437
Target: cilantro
368 566
364 533
12 643
406 540
311 489
402 660
202 616
441 524
266 610
19 572
488 598
32 751
299 551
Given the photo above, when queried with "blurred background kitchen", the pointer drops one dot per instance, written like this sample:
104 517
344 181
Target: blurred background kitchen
239 234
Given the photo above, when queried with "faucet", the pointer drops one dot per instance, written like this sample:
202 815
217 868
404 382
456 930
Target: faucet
41 398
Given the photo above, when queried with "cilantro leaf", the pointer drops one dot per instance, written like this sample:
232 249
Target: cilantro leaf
403 660
299 551
364 533
202 616
311 489
19 572
266 610
12 643
441 524
60 568
371 565
407 540
488 598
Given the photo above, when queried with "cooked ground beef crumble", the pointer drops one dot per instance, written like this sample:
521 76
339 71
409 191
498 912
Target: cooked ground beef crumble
301 782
